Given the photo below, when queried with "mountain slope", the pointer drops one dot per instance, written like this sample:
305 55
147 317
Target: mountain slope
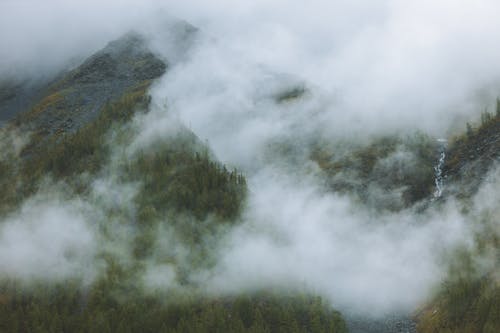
76 98
85 117
469 299
161 210
70 117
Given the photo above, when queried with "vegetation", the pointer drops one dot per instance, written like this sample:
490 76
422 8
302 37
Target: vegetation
189 182
390 163
179 183
64 308
66 155
469 299
481 145
86 150
181 187
195 194
291 94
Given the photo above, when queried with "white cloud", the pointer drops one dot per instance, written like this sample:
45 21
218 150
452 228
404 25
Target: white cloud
371 67
295 236
49 241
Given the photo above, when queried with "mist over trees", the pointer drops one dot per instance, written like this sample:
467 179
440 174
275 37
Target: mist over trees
173 168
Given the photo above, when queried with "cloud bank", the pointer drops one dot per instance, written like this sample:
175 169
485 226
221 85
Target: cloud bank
369 68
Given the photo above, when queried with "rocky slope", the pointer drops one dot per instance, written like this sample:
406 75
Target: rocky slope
17 96
471 156
469 299
76 98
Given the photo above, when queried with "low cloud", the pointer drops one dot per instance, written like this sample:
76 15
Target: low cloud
295 236
368 69
48 240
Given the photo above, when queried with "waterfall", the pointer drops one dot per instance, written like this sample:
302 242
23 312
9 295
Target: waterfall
438 170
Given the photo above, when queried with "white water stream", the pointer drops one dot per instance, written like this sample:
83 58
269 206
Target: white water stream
438 170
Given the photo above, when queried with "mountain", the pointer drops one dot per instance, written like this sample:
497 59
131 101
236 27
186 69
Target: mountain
469 300
161 212
179 187
76 106
76 98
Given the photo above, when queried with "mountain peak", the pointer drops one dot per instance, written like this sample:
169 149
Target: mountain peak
127 58
77 97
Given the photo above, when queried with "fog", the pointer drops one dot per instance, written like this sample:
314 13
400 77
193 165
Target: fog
384 64
40 39
367 68
49 240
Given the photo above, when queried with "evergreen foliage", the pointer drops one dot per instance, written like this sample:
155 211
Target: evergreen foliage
188 182
65 308
470 155
379 165
469 301
178 180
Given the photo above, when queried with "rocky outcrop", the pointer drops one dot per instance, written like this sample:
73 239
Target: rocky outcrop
17 96
76 98
471 156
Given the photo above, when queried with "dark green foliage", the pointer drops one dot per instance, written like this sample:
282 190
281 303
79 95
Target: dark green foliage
65 308
174 176
469 301
291 94
187 190
468 305
179 185
86 150
471 155
8 184
67 155
389 164
188 182
178 181
469 297
485 117
497 109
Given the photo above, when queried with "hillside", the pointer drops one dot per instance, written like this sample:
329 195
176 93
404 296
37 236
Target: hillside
469 301
74 128
259 174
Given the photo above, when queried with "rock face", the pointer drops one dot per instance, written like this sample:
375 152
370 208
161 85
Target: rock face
16 96
75 98
471 156
125 60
